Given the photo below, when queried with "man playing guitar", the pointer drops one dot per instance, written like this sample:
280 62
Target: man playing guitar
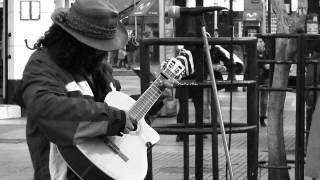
64 87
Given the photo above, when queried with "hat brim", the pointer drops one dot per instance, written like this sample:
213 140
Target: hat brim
120 38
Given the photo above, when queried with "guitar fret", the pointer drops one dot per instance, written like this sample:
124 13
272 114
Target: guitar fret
147 99
153 96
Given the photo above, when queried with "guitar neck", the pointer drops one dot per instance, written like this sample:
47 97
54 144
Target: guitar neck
147 99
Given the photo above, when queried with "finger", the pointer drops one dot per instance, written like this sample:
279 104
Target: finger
215 67
135 127
223 68
168 84
126 130
130 127
134 122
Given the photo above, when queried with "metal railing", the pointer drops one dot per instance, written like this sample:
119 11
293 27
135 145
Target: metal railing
199 128
300 89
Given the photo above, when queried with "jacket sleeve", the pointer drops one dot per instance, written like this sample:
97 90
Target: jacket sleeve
65 120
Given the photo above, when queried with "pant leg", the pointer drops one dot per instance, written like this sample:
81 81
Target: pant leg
264 96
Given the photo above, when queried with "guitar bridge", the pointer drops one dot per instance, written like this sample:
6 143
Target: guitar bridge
115 149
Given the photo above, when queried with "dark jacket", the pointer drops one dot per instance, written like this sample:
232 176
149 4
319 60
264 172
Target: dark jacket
62 109
218 54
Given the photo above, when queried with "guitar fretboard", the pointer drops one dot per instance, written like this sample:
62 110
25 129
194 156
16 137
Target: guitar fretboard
147 99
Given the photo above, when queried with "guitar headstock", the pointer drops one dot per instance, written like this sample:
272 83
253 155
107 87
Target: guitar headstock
173 68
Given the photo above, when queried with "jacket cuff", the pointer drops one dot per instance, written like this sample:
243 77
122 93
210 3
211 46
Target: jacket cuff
117 121
123 119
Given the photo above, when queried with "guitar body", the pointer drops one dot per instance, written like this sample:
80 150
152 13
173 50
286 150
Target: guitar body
101 161
122 157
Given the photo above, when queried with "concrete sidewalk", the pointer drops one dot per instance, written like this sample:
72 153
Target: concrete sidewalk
15 162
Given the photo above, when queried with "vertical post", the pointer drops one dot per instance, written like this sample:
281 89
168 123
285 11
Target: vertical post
199 69
252 113
269 16
185 113
6 53
300 110
181 32
263 19
67 4
144 67
214 141
144 83
161 30
215 21
198 103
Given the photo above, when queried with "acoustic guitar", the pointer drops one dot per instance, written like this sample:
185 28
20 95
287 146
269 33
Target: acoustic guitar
122 157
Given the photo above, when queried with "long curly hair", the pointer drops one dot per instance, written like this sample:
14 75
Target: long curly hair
74 56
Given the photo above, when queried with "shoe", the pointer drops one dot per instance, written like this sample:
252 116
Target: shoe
244 89
179 138
262 121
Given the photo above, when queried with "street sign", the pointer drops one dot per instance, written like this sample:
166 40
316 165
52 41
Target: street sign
143 8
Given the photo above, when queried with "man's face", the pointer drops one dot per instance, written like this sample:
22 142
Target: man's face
260 45
91 58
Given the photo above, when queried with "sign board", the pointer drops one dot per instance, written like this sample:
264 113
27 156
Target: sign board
144 7
252 15
238 5
141 7
253 5
312 24
255 1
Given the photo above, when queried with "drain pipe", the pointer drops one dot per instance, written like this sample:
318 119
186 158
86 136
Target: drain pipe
5 52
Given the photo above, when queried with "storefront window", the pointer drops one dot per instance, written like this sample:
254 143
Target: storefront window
30 9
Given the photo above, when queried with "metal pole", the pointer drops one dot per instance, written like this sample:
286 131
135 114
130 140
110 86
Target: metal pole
252 114
263 19
269 16
215 21
6 53
198 99
161 31
215 94
300 111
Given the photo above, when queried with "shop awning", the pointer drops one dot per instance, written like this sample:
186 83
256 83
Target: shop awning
146 8
142 7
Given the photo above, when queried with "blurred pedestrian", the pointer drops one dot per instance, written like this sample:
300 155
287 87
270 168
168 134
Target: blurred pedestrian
182 94
131 50
263 81
122 58
221 63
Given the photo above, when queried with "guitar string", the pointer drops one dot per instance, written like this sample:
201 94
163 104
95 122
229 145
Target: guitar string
140 104
139 109
152 95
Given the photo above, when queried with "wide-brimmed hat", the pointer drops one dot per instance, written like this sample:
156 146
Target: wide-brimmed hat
94 23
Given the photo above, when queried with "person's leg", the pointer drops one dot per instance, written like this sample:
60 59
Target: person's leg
206 105
182 94
264 95
180 116
206 102
130 59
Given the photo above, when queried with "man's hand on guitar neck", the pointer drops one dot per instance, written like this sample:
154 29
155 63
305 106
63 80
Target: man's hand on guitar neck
168 83
131 123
